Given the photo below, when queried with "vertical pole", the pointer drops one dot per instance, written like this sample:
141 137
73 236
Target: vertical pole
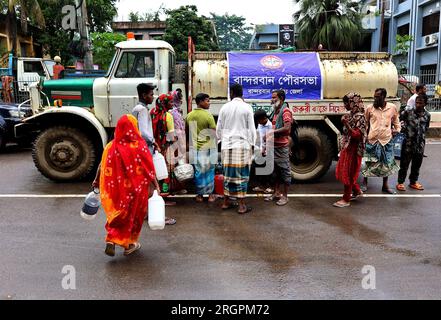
84 34
380 46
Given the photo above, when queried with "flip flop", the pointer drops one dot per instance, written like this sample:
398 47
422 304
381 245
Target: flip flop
282 202
170 221
416 186
132 248
231 206
248 209
110 249
272 198
388 190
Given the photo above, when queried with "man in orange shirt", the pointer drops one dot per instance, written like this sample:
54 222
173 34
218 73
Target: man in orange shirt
383 123
58 67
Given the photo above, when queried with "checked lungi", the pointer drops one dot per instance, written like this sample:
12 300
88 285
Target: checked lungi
236 164
204 162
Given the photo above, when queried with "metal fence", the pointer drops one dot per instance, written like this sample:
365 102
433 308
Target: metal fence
14 91
430 78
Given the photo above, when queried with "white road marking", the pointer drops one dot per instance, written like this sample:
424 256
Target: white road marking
291 195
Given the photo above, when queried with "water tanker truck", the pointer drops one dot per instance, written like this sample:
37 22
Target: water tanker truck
69 140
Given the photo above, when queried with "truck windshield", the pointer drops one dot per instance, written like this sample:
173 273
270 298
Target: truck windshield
136 64
50 66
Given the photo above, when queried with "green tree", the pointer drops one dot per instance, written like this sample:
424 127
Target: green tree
27 10
103 46
100 14
134 16
336 24
57 41
232 32
184 22
401 51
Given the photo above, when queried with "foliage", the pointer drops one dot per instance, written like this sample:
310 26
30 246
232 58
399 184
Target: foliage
184 22
402 44
100 14
57 41
147 16
232 32
336 24
103 45
401 51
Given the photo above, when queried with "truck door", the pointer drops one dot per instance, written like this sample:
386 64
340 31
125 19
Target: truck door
134 67
29 72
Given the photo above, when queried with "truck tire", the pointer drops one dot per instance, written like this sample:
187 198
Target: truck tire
64 154
315 153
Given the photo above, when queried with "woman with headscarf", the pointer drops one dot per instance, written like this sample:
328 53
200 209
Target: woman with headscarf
126 173
352 148
162 121
163 131
179 124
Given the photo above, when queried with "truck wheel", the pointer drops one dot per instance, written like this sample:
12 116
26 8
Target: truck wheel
314 154
64 154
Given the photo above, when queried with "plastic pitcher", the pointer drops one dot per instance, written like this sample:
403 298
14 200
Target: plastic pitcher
91 205
160 166
156 212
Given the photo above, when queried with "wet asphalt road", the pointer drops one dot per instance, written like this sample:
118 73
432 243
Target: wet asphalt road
306 250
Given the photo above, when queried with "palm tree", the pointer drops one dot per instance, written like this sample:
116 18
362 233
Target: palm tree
336 24
28 9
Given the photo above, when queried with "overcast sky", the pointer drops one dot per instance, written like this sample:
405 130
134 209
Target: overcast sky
256 12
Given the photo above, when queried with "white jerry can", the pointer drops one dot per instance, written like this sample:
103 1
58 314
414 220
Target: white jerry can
156 212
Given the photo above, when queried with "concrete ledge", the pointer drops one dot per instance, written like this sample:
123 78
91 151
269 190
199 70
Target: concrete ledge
434 130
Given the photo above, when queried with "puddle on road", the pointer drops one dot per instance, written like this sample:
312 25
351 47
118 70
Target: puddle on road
352 227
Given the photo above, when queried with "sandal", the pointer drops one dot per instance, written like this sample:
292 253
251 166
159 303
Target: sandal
132 248
199 199
341 204
258 189
388 190
248 209
212 198
283 201
231 206
170 221
110 249
272 198
357 195
401 187
416 186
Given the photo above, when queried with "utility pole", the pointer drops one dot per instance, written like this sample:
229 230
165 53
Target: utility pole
83 27
382 4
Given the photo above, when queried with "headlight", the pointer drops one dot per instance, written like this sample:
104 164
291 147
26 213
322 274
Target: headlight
17 114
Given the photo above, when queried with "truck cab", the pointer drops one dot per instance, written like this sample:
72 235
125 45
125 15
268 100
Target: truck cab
26 71
149 61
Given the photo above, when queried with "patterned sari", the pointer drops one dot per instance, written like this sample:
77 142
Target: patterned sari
353 143
126 174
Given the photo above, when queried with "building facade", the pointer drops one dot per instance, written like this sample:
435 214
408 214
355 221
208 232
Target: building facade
421 20
142 30
272 36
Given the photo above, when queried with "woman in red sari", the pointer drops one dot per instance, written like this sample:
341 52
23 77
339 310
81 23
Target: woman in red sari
353 145
164 133
126 174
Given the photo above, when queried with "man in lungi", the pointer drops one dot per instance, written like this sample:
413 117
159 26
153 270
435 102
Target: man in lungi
383 124
237 133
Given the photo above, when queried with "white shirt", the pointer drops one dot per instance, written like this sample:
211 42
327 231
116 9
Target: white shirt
142 114
411 102
235 125
263 130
